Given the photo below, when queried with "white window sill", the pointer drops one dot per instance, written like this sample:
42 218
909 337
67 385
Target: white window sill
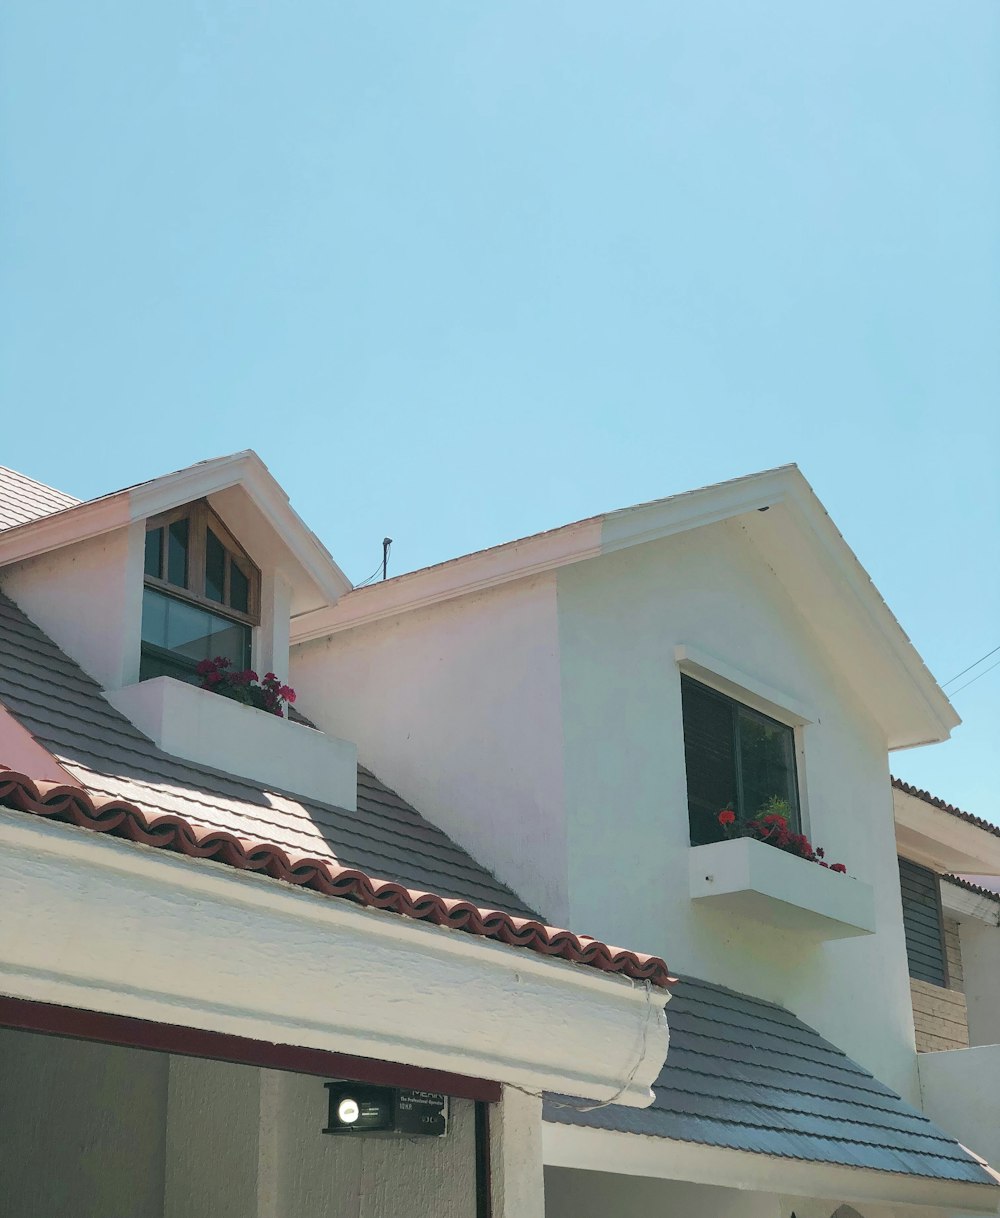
748 879
208 728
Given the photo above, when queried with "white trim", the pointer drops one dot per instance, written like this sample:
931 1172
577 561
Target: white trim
735 683
796 538
98 516
965 904
632 1154
102 924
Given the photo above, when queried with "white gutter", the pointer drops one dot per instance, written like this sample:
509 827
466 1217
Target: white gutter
105 925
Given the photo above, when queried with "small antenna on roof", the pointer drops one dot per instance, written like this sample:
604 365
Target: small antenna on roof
386 543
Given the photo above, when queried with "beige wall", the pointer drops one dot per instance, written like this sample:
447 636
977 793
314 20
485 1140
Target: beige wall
81 1129
103 1132
940 1018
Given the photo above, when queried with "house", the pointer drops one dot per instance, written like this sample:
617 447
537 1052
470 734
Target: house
601 692
239 974
570 712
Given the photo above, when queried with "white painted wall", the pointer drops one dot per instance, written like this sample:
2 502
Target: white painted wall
980 943
88 598
620 618
593 1194
960 1091
539 724
457 707
81 1129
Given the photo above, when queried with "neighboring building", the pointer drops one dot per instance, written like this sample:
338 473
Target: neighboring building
571 712
199 1007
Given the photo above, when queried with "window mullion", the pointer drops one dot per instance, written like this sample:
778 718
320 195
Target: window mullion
738 762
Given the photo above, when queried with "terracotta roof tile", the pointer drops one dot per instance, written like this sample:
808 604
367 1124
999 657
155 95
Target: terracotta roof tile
121 818
933 800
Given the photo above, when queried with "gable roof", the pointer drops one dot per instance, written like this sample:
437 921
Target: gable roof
23 499
221 478
748 1075
783 518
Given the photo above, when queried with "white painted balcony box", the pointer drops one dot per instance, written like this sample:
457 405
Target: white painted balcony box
749 879
209 728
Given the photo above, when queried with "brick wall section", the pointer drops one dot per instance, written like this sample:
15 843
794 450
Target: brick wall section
939 1015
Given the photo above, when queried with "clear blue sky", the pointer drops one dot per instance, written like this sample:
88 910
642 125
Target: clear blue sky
463 270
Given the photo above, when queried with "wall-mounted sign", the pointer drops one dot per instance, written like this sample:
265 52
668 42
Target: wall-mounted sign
356 1108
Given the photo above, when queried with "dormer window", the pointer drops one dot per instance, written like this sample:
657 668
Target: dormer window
201 597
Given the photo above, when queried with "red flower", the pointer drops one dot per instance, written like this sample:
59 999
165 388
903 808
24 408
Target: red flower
726 817
839 867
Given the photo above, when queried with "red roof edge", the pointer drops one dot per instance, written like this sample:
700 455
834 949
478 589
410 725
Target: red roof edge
933 800
118 817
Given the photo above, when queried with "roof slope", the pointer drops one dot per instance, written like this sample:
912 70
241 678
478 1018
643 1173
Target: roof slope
119 818
65 710
23 499
748 1075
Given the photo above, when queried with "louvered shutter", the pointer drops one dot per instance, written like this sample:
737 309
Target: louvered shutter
922 923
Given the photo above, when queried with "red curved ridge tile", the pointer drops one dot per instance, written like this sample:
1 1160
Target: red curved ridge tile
166 831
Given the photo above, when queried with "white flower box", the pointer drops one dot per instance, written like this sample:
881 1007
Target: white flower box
212 729
749 879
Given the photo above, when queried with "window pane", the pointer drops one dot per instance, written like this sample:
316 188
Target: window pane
767 763
215 568
181 634
154 552
709 756
239 588
925 949
177 553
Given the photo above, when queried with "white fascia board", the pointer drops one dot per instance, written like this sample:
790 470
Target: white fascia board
147 499
943 842
106 925
632 1154
911 704
542 552
965 904
459 577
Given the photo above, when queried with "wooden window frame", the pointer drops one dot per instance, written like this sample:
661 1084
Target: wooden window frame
201 517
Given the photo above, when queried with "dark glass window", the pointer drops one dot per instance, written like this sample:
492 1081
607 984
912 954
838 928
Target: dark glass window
215 568
177 634
177 553
923 924
239 589
735 758
201 594
154 553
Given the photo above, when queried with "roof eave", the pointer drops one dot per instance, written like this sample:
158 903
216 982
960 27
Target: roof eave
98 516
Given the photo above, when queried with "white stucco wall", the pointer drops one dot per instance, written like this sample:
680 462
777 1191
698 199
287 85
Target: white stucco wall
540 725
81 1129
457 707
620 618
980 944
570 1193
88 598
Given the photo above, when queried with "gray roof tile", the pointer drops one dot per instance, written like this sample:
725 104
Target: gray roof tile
386 837
748 1075
23 499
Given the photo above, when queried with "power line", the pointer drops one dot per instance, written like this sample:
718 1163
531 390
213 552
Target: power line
977 676
972 666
